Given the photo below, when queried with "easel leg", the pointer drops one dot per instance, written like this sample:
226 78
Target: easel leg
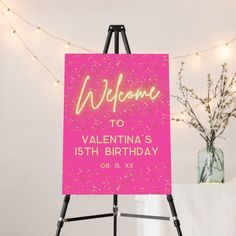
174 214
108 40
115 210
60 222
125 40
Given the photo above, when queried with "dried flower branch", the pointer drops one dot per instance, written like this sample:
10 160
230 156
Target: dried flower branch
219 104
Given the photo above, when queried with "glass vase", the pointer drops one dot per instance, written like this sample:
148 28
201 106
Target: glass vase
210 165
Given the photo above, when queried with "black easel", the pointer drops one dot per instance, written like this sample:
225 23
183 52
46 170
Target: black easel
117 29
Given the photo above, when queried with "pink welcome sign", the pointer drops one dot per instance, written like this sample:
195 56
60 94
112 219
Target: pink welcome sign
116 124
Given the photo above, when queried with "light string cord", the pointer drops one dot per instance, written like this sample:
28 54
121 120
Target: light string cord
8 9
196 53
28 49
68 43
204 50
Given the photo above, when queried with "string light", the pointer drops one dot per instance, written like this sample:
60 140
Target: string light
226 45
197 56
8 11
34 58
67 45
44 30
37 30
225 50
13 32
56 83
182 115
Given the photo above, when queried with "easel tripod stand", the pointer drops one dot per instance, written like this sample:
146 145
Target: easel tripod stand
117 29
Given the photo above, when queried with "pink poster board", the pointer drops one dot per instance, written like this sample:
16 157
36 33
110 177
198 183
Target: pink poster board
116 124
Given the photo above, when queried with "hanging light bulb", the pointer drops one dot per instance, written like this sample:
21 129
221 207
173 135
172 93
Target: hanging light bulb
14 32
67 45
227 46
8 10
197 56
34 58
225 49
56 83
37 30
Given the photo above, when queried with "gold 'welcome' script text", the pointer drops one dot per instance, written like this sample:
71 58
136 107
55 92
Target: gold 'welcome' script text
111 96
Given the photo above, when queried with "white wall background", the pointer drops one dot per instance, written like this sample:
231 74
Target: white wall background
32 108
